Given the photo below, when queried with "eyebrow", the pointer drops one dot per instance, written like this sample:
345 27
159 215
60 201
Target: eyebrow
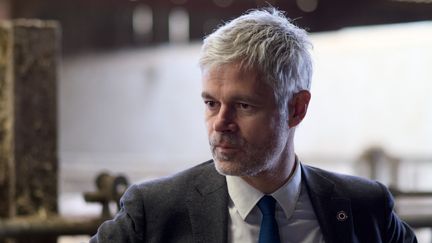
206 95
249 99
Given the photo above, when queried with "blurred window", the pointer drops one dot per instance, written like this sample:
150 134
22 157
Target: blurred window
4 9
179 25
142 22
307 5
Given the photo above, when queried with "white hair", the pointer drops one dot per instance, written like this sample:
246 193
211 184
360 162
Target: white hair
267 42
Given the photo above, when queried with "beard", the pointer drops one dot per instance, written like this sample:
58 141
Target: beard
247 159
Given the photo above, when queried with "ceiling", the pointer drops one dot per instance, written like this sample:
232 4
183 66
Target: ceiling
107 24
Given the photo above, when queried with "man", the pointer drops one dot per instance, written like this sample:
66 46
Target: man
256 73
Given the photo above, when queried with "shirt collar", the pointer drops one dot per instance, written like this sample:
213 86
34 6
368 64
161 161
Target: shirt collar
245 197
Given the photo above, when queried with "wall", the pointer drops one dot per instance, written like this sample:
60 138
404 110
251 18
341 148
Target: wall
139 111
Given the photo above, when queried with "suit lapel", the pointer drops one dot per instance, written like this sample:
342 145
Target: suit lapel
342 219
208 207
333 212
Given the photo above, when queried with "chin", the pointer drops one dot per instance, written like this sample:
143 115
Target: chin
234 168
226 167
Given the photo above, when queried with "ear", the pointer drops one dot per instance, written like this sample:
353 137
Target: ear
297 107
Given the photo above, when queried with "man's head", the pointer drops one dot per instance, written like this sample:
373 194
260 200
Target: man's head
265 42
256 73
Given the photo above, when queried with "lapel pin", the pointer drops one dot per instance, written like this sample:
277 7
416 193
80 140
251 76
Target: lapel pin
341 216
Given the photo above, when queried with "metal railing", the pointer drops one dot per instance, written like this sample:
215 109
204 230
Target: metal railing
110 189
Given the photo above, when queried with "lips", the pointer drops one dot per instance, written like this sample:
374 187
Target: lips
226 148
225 143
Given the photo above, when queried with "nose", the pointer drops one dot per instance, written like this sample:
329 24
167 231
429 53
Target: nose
225 120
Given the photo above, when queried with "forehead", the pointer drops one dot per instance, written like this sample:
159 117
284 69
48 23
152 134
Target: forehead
232 76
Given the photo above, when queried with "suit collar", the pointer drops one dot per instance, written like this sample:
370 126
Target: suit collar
207 202
332 210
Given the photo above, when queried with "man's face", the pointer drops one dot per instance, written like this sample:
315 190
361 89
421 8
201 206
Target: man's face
247 134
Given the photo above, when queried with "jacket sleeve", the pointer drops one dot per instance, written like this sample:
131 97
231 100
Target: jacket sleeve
395 229
128 225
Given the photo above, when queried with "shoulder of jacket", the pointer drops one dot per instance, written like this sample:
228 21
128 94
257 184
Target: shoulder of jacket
357 189
173 185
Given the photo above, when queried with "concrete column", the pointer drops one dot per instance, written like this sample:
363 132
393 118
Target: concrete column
29 55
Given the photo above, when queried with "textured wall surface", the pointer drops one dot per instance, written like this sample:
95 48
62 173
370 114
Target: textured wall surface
6 117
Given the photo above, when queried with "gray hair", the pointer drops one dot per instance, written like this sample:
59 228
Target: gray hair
267 42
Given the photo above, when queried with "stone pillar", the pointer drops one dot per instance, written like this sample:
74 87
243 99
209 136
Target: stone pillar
29 55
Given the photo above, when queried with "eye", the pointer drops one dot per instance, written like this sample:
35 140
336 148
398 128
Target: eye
210 104
244 106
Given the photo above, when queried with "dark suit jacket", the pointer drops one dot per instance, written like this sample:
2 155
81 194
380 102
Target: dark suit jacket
192 206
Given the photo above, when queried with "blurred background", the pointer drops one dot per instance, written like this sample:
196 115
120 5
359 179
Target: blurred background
129 89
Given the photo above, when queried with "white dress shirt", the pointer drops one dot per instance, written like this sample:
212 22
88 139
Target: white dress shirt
295 216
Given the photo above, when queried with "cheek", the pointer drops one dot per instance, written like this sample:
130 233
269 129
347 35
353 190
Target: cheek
209 124
256 130
261 129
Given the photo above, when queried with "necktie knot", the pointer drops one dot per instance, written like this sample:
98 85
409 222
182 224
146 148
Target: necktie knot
267 205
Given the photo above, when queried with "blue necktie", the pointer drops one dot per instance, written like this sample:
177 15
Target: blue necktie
269 231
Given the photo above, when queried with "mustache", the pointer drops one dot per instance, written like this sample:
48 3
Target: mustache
225 139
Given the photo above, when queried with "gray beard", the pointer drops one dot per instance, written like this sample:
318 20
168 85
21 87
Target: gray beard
249 161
